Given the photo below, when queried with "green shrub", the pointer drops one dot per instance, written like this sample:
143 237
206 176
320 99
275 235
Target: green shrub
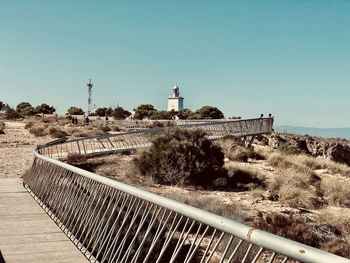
182 157
11 114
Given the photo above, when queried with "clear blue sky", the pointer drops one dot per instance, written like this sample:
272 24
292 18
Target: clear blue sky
291 58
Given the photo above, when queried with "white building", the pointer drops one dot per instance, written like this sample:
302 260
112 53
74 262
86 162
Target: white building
176 102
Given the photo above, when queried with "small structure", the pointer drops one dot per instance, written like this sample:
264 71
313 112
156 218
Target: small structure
176 102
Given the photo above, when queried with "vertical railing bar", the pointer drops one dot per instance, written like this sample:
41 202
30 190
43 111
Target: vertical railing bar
216 245
235 250
199 242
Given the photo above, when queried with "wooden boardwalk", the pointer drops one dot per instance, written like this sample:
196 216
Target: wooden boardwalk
27 234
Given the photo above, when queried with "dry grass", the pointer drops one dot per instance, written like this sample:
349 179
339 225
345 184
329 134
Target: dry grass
295 188
45 130
287 162
295 227
336 191
234 150
321 163
338 217
302 162
243 176
292 226
209 204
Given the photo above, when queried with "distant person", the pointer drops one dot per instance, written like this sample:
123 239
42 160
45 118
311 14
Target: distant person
76 121
270 115
261 115
106 119
87 120
73 120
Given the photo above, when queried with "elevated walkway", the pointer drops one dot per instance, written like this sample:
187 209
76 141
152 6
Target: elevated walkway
27 233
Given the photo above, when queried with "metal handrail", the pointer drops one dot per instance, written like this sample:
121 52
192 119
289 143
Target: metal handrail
110 221
103 144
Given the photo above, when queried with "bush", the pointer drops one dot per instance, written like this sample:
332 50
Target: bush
38 131
291 226
29 125
183 157
76 159
105 128
234 150
155 124
2 127
11 114
116 129
59 134
241 177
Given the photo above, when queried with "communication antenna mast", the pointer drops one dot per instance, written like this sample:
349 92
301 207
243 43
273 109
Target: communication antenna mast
90 106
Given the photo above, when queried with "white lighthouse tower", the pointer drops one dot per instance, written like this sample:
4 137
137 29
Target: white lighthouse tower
176 102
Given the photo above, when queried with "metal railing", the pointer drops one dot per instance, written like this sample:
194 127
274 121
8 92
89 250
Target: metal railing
107 144
113 222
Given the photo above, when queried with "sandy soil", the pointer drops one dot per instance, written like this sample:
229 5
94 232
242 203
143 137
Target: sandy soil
16 147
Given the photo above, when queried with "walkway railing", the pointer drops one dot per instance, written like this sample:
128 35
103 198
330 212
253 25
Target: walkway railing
130 140
113 222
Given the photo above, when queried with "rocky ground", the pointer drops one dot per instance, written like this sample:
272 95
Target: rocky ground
334 149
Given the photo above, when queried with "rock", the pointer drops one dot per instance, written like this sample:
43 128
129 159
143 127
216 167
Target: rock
334 149
220 182
339 153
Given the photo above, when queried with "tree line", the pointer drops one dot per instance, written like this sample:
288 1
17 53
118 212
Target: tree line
25 109
143 111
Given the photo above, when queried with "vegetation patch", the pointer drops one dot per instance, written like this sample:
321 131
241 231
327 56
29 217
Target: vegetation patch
182 157
295 188
234 150
2 127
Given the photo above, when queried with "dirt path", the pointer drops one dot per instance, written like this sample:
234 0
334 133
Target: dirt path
16 147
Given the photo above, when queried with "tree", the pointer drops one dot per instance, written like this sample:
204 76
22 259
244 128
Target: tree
2 105
45 109
10 113
208 112
109 111
119 113
75 111
182 157
160 115
101 111
144 111
25 109
185 114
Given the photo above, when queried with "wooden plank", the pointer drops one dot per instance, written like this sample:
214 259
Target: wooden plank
38 247
23 217
27 233
33 238
52 257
